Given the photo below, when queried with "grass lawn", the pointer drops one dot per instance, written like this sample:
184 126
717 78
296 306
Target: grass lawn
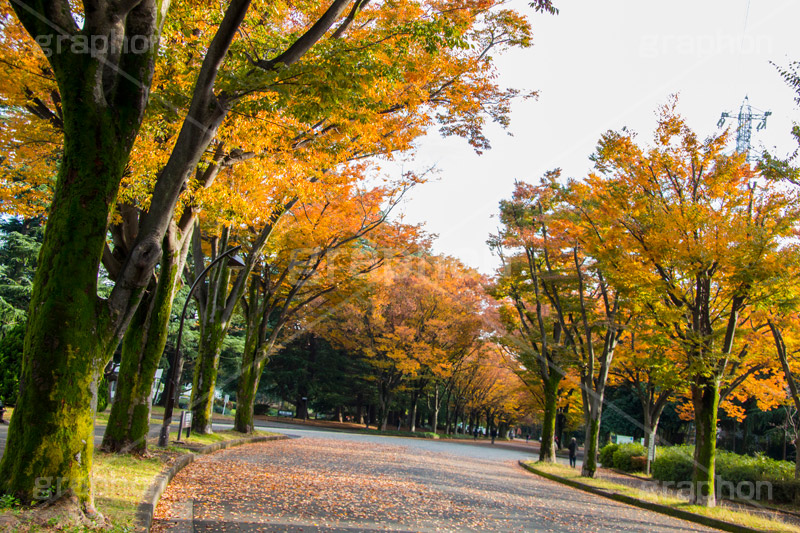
120 482
721 513
196 439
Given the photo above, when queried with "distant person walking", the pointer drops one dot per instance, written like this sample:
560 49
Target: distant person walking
475 432
573 450
494 434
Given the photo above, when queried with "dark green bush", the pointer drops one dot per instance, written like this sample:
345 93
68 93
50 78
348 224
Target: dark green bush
675 464
11 363
621 459
786 491
261 409
607 454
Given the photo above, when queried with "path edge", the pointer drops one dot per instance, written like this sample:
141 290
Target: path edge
650 506
147 507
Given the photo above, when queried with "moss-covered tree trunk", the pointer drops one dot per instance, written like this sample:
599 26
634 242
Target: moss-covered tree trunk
245 399
547 450
70 335
593 393
71 332
705 399
142 348
591 447
216 308
253 361
212 335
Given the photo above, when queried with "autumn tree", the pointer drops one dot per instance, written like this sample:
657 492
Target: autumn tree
565 313
701 237
99 132
408 320
102 96
652 366
555 229
321 250
278 166
491 389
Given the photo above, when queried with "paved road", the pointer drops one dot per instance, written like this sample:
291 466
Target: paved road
329 481
297 429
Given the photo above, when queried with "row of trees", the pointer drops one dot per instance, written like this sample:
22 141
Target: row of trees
410 347
151 136
666 268
423 329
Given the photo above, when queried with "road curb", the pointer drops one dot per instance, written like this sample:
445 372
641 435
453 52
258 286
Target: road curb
650 506
146 508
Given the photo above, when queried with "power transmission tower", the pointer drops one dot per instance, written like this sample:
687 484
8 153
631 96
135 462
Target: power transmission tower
745 128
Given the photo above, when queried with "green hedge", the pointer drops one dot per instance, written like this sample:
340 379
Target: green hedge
675 464
607 455
622 458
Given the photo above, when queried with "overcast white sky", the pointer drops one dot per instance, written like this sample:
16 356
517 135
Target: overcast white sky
602 65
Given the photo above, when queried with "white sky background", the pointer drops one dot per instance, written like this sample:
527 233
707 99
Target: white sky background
601 65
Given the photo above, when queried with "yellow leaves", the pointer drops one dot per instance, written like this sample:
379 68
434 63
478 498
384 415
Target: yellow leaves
415 317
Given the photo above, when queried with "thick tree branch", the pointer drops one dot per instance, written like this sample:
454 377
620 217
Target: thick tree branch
303 44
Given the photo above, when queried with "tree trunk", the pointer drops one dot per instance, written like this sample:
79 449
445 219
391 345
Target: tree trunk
705 398
384 399
651 419
593 412
204 383
129 420
142 348
591 446
547 451
245 402
435 422
252 368
253 361
70 335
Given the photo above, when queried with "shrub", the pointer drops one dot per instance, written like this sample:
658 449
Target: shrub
607 455
786 491
673 464
11 363
638 463
261 409
621 459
